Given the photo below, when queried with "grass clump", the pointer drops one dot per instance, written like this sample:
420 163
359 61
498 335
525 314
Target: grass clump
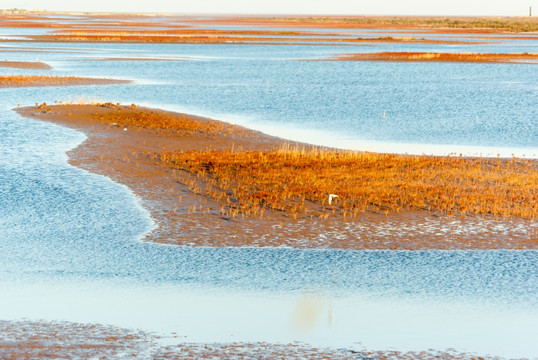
298 181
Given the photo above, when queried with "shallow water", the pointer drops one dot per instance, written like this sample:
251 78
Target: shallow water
471 108
69 247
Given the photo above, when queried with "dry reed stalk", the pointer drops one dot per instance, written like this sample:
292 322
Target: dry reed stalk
288 179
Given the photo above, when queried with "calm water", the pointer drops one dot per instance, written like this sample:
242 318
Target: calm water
69 246
429 107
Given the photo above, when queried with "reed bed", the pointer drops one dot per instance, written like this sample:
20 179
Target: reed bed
35 80
444 57
298 181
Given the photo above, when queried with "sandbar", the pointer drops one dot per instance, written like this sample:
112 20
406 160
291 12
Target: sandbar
129 155
36 65
10 81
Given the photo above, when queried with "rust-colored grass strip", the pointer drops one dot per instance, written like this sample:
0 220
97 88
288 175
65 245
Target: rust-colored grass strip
36 65
440 57
227 38
289 179
34 80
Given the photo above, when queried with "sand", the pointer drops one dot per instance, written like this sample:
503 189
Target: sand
35 65
187 218
9 81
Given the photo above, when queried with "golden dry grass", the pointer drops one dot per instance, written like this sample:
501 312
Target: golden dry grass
35 80
289 179
445 57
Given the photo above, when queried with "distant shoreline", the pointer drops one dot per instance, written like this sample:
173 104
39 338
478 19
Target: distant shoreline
456 24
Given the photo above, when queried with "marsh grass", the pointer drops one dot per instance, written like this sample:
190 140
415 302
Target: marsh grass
292 179
444 57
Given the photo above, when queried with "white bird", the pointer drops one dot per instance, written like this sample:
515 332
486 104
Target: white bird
384 115
331 197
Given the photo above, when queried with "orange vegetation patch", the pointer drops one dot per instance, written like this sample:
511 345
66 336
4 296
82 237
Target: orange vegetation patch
29 81
250 182
441 57
251 35
266 193
230 38
25 65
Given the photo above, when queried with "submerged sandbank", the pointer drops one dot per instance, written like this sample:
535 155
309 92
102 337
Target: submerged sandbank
187 214
35 65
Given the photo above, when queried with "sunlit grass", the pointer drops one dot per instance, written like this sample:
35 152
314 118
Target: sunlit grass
291 179
448 57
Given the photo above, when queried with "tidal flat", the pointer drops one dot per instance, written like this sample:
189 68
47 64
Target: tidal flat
180 205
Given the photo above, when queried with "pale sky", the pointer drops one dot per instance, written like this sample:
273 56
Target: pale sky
345 7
